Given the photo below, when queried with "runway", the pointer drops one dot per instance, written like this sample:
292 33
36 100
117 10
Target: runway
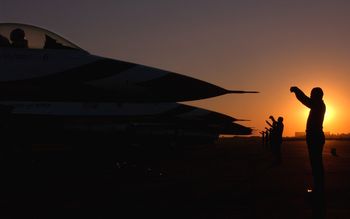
231 179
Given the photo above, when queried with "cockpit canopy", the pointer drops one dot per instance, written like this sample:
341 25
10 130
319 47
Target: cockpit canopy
14 35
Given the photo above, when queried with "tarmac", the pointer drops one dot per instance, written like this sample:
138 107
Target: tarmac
234 178
281 191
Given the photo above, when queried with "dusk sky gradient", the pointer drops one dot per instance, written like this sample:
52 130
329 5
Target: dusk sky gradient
259 45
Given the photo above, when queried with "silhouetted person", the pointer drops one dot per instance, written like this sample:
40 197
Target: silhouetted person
315 141
268 138
4 42
276 138
17 37
263 138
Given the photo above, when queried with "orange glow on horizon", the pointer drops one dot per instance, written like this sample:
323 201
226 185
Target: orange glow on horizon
329 116
334 121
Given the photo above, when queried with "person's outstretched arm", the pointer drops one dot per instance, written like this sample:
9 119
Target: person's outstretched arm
269 123
273 119
301 96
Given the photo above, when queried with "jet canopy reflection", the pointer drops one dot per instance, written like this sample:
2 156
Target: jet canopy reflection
23 36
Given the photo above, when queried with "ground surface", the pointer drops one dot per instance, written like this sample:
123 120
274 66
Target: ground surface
232 179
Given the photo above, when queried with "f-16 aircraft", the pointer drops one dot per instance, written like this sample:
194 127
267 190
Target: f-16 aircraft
38 60
55 88
121 122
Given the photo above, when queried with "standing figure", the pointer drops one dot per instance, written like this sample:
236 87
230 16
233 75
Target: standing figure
268 138
262 138
315 140
276 138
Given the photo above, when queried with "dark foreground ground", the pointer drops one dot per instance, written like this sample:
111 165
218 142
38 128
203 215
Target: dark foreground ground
232 179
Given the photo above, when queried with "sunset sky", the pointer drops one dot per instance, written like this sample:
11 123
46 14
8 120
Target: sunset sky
264 45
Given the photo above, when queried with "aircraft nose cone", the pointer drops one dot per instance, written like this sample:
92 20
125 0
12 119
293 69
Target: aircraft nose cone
181 88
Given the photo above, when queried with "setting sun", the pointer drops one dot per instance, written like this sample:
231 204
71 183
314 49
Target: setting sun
329 116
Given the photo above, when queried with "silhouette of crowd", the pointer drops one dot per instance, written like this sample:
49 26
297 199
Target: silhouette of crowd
315 139
272 138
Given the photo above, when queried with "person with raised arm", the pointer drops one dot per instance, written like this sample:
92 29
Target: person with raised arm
276 138
315 140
